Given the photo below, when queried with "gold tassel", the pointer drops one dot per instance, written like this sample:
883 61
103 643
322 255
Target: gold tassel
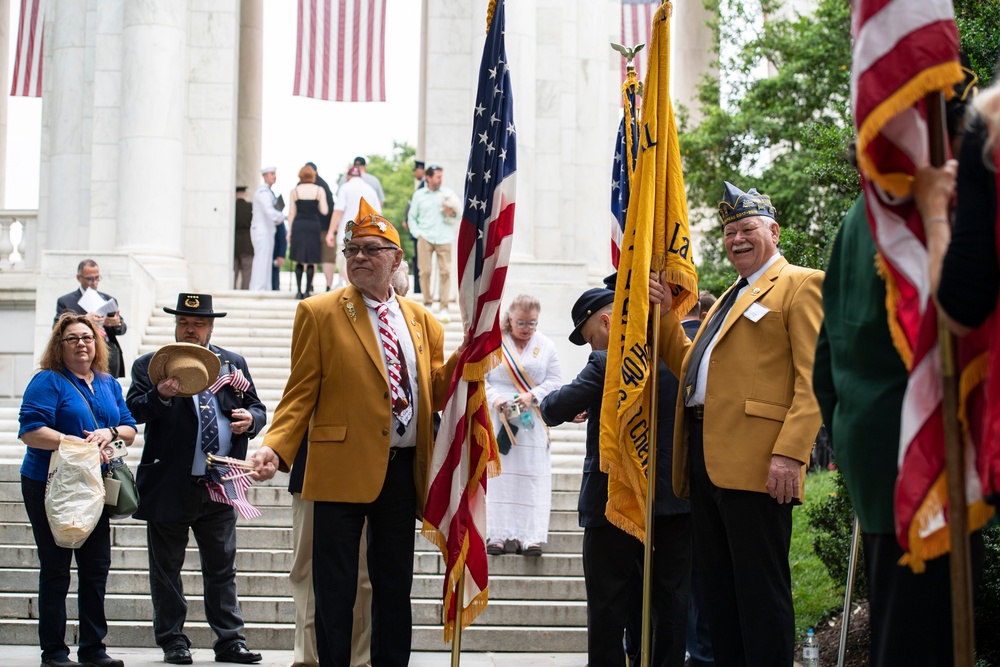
899 339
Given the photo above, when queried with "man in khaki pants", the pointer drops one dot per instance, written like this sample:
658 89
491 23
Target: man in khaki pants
434 212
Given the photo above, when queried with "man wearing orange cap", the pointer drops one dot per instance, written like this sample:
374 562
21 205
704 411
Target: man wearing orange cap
368 373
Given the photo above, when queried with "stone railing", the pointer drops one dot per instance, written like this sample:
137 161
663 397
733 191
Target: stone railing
16 228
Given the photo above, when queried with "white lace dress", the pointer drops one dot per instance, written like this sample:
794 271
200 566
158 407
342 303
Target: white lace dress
519 500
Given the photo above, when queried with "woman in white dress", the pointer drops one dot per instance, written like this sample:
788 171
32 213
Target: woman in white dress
519 500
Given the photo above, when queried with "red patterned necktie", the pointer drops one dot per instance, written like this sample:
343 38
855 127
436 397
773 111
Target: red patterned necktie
401 407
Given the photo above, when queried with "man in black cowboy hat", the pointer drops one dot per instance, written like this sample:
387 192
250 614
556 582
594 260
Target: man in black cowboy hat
185 421
612 559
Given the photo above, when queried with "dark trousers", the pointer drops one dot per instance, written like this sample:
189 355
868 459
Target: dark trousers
612 570
214 528
910 619
336 544
93 560
741 542
699 639
416 268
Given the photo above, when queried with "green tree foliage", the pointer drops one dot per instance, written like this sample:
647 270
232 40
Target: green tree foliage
786 134
977 29
396 173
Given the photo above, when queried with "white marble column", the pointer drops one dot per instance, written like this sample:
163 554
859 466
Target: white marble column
692 56
63 183
151 142
251 84
4 86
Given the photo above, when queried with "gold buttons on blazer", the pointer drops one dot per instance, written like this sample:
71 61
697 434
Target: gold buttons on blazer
385 395
756 290
420 348
385 431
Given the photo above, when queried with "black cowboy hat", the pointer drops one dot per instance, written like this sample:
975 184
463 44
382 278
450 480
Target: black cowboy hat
197 305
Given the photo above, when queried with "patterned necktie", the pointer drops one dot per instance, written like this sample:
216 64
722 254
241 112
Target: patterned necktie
401 407
209 423
713 326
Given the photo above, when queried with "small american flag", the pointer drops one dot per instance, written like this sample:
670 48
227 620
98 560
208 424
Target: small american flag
637 25
235 378
28 60
466 448
341 50
627 144
231 491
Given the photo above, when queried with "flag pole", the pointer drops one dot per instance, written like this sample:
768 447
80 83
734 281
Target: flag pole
852 565
963 632
456 642
647 559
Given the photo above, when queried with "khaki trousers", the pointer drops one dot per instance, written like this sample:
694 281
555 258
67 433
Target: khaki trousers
300 577
442 251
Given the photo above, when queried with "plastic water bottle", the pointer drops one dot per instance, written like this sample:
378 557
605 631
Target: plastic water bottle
810 650
527 421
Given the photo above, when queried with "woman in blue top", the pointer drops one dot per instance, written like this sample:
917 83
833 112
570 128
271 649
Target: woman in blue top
70 392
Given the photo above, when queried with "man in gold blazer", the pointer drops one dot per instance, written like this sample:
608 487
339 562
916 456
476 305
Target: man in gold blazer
745 424
367 374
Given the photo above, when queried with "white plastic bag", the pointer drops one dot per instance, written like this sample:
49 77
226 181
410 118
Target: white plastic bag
74 494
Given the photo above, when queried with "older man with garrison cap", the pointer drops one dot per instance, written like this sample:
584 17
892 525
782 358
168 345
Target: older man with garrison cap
368 373
745 424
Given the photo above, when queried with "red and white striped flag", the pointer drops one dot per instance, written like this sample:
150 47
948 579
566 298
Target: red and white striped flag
28 59
231 491
235 378
637 26
466 448
340 54
903 50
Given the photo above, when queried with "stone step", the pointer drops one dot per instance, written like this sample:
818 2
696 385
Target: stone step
139 607
252 537
280 561
281 636
14 512
267 584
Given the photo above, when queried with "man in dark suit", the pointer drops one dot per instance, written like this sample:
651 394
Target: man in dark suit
242 243
111 326
174 485
613 559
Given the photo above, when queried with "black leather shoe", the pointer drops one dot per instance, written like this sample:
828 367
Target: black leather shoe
238 653
60 663
178 655
103 662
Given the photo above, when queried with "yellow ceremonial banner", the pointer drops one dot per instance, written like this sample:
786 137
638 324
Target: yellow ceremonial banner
656 238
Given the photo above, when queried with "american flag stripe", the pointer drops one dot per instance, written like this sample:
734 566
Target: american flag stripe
340 53
231 491
466 451
637 22
27 79
236 378
903 50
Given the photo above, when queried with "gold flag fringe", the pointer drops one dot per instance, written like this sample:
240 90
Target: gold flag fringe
899 339
933 79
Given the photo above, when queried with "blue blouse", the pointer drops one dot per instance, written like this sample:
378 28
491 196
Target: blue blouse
51 401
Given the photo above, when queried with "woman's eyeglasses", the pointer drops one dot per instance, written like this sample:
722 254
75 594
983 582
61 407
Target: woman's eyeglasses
521 324
74 340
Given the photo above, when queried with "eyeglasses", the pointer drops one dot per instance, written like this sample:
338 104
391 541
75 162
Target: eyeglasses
75 340
91 279
367 250
521 324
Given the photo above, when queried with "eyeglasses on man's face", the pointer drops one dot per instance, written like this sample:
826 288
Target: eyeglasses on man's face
75 340
91 279
367 250
526 324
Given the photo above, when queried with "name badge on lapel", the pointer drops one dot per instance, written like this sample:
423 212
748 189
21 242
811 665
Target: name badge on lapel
755 312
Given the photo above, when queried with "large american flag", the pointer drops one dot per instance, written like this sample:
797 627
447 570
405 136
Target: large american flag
466 449
903 50
27 80
340 54
637 22
622 169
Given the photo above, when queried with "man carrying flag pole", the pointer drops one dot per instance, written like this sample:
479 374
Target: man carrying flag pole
656 238
466 450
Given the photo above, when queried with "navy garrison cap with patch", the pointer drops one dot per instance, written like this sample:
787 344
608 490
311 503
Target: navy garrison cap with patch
736 204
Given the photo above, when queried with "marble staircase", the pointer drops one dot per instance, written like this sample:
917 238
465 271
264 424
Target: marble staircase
536 604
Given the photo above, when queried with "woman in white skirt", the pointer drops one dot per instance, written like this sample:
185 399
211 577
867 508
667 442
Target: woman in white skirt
519 500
